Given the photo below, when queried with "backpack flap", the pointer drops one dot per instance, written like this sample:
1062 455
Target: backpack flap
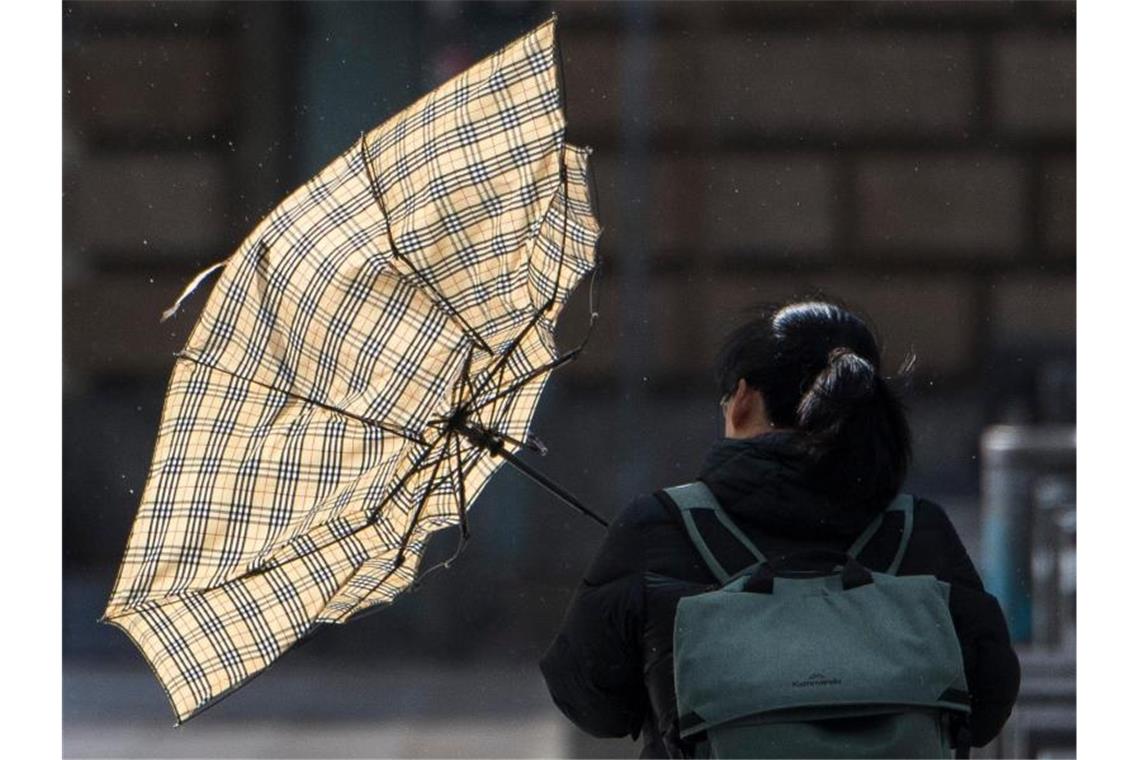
812 648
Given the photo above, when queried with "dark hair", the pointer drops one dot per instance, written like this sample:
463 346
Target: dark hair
817 366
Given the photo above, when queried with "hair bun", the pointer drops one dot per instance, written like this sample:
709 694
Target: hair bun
847 378
842 352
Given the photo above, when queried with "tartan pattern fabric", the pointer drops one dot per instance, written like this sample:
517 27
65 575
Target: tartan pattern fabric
304 453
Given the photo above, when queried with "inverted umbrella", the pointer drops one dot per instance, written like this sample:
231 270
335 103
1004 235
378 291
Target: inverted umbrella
369 356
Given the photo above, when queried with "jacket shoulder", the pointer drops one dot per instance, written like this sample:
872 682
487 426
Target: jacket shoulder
936 547
623 550
644 509
931 512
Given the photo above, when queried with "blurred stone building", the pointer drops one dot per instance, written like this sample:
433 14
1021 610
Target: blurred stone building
916 160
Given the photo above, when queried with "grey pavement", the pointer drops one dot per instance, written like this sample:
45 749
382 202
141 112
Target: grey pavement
412 710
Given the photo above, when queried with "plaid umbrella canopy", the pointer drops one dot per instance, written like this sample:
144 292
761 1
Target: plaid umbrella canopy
369 356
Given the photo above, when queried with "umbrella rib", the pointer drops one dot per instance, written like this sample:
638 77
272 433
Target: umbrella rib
401 432
515 343
465 376
378 196
500 374
399 562
565 223
418 466
557 279
461 495
307 635
464 533
528 377
565 358
463 536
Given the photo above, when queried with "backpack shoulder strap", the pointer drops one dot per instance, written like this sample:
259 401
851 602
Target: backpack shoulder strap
695 496
904 503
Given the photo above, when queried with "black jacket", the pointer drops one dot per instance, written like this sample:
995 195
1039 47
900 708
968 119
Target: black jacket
610 668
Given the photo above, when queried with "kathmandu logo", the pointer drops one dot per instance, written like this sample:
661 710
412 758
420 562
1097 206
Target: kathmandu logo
817 679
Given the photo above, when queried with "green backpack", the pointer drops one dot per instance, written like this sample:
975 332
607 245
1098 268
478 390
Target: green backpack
851 663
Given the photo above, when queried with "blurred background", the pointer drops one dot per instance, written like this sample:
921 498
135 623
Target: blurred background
915 159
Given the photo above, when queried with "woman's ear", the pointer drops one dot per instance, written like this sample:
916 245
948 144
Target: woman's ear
746 415
742 406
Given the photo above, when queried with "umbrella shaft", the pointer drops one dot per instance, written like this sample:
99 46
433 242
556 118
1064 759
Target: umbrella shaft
549 485
489 441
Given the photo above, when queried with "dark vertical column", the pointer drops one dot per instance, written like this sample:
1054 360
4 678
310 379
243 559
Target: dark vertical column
359 65
633 280
265 59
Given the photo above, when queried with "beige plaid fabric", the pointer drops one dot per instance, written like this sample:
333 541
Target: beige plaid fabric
305 448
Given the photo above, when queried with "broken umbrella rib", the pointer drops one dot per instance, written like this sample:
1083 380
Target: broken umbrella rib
553 300
475 404
464 534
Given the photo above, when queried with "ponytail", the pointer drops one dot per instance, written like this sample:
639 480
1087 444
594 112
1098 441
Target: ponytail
854 430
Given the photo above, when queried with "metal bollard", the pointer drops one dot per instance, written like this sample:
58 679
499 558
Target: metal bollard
1052 497
1066 527
1014 458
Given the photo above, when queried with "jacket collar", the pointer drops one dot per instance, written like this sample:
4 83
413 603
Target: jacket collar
764 481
